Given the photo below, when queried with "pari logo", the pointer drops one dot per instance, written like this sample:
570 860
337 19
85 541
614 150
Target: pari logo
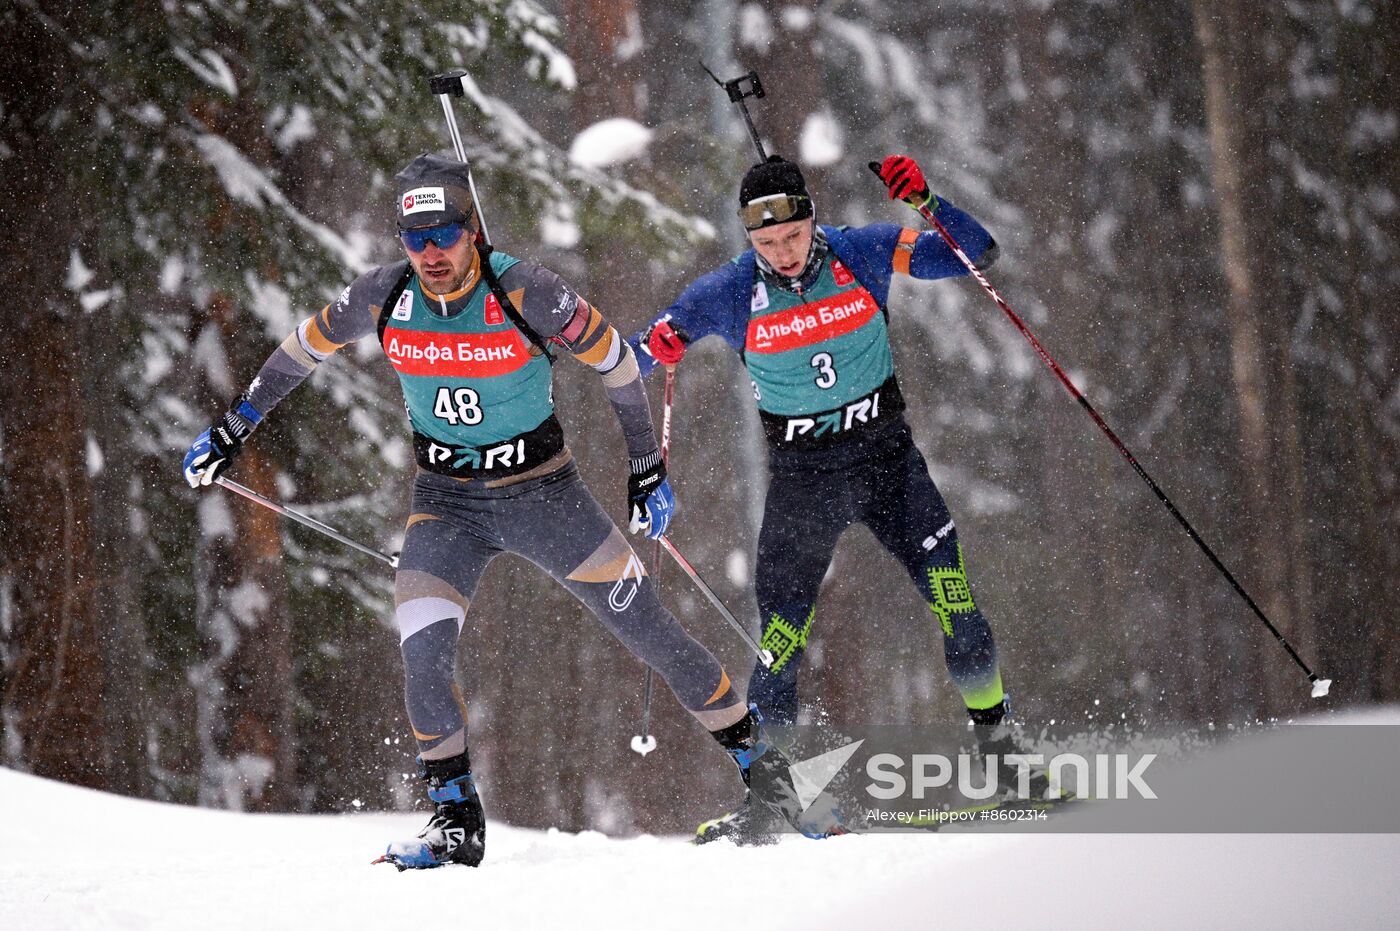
861 410
423 199
510 454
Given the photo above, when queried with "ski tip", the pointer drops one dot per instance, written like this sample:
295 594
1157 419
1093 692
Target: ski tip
1320 687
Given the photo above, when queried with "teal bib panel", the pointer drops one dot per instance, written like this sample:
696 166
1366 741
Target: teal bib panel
469 381
819 350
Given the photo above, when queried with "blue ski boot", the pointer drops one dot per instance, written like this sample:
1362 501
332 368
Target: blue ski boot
457 831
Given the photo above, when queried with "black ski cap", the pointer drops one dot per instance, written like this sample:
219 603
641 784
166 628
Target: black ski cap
775 176
432 191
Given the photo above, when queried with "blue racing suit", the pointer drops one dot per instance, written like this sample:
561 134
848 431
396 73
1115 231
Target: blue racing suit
818 355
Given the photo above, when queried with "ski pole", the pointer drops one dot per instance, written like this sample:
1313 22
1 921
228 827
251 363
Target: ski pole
301 518
644 742
448 85
764 656
1319 686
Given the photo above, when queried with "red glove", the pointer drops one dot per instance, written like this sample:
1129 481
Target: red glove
667 343
905 180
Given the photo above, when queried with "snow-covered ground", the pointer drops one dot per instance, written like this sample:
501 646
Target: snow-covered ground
76 859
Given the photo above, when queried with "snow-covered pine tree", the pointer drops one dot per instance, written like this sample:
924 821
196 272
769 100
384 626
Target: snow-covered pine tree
203 175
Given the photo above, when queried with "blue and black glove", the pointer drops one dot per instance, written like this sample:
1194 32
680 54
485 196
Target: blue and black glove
214 450
650 501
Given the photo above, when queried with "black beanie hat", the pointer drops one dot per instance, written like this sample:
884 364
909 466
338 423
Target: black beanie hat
433 190
775 176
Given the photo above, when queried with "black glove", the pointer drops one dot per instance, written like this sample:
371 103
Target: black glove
650 502
214 450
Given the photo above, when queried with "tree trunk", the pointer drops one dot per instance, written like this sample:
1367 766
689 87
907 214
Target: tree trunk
51 687
247 690
1363 639
245 685
54 681
116 594
783 48
1235 91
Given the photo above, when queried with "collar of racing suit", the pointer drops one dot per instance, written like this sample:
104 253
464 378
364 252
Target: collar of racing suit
805 279
448 305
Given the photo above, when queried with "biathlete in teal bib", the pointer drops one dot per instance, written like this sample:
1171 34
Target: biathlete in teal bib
470 334
806 309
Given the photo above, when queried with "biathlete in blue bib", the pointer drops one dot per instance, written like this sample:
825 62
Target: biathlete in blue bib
806 309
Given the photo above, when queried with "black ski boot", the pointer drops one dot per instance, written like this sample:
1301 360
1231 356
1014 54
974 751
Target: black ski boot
995 737
770 800
457 831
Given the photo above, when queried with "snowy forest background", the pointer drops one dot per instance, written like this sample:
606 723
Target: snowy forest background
1196 202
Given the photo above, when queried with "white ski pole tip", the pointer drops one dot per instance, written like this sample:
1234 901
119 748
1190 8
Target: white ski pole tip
1320 687
766 658
643 745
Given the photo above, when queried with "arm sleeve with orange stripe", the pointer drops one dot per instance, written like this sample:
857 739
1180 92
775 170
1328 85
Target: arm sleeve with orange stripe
557 313
924 254
349 317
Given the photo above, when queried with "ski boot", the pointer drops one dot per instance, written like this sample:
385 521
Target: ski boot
995 737
457 831
774 800
737 825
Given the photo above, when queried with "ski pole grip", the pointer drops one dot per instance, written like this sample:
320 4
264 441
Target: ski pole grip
875 167
449 82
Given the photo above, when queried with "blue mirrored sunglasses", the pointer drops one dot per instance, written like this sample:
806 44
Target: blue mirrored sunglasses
444 237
